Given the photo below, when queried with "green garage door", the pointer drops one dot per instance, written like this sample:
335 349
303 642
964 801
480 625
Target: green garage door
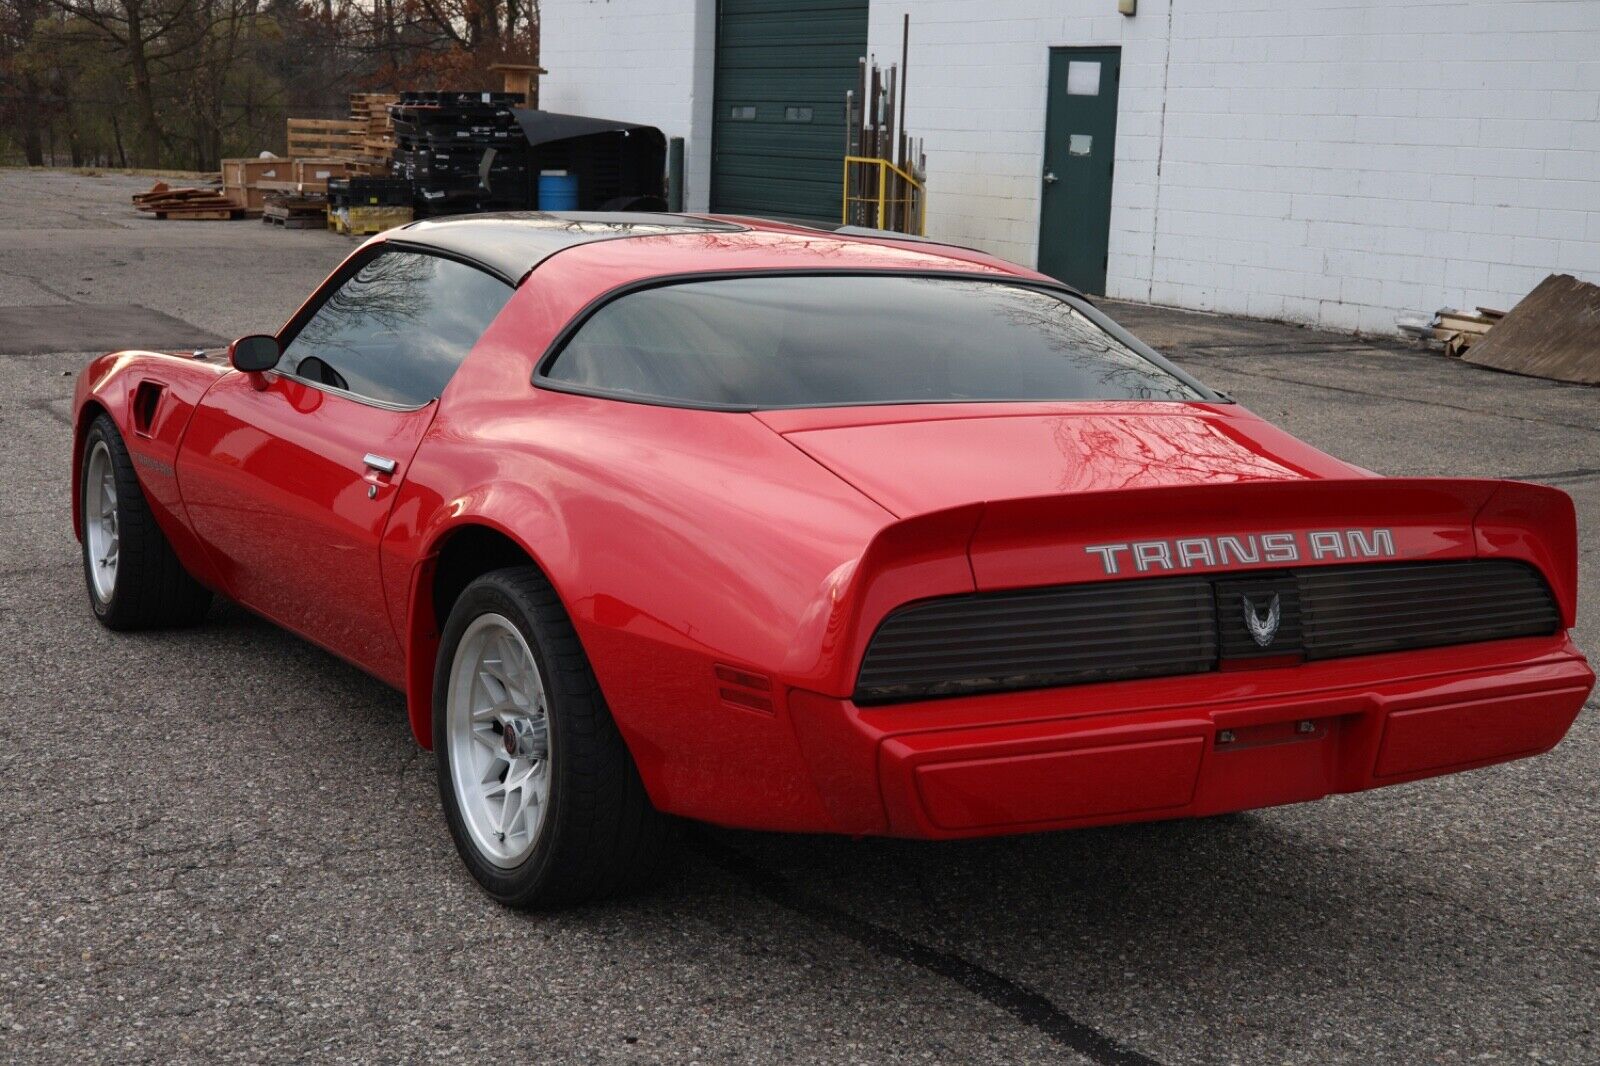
783 67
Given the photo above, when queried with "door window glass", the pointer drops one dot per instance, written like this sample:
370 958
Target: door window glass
1079 144
396 330
1083 78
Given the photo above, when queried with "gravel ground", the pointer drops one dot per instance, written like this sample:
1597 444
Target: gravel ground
223 844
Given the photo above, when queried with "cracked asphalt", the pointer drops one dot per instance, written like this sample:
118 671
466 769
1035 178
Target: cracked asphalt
222 844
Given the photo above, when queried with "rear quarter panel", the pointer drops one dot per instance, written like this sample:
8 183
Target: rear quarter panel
678 540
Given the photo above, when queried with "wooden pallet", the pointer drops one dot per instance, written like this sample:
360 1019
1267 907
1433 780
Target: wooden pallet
203 214
295 214
292 221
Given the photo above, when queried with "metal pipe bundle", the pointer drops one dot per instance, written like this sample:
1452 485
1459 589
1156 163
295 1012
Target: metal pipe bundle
875 119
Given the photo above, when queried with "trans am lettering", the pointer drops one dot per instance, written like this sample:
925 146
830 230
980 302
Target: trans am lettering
1145 556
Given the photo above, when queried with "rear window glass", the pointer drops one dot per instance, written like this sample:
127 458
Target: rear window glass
810 341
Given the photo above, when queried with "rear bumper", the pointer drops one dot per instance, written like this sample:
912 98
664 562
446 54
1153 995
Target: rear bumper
1185 747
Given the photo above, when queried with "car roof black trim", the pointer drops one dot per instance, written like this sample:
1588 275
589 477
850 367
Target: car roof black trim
510 244
542 365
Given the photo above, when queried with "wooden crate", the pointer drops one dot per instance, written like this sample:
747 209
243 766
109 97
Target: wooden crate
241 179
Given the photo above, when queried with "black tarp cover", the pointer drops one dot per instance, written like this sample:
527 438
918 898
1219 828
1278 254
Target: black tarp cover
614 161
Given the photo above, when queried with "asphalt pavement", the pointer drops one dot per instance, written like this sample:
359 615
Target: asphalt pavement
223 843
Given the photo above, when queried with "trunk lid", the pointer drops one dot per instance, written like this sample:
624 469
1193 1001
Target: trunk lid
917 458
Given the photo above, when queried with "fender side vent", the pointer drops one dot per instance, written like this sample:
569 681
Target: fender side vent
146 399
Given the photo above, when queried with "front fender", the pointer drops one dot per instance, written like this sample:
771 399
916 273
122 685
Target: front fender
150 397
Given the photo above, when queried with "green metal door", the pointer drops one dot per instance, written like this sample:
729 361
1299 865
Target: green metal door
783 68
1079 138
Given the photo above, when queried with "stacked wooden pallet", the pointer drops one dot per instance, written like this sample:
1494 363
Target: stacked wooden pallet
165 202
371 111
325 138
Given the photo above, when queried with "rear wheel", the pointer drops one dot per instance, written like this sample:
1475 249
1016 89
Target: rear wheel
538 788
135 580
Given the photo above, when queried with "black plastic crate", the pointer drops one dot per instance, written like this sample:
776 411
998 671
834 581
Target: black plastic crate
369 191
459 97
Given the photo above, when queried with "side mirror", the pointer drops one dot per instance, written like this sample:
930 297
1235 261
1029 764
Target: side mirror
254 353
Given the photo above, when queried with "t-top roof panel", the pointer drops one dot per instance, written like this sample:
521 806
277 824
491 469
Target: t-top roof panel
513 243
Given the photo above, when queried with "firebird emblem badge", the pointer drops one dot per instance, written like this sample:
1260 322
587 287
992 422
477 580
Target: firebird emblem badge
1263 627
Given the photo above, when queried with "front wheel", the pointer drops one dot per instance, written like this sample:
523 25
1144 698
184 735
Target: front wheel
135 580
538 788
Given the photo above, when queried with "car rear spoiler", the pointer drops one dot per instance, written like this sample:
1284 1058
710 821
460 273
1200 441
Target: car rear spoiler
1190 529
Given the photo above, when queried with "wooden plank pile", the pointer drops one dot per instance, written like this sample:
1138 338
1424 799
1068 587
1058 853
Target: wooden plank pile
1460 330
1553 332
166 202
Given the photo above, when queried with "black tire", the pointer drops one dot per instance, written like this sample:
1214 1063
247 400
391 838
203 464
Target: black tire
151 589
600 836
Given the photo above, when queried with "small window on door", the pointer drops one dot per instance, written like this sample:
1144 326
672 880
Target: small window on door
743 113
1083 77
797 114
396 330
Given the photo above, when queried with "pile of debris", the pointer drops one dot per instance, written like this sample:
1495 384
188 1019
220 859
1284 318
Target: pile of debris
1550 333
1460 330
165 202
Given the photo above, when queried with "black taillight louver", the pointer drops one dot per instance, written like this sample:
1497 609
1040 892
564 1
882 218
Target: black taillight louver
1156 627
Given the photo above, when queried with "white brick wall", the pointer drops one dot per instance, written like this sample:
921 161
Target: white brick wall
1327 161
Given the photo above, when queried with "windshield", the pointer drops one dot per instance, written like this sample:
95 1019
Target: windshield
827 340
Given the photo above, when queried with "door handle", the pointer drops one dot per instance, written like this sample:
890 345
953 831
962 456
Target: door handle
1050 177
381 463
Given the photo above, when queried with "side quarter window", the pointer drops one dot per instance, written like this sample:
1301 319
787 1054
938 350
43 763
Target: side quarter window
396 330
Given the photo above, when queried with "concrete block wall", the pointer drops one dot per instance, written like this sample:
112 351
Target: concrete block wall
1335 162
649 61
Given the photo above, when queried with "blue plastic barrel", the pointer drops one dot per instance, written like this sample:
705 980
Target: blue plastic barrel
558 191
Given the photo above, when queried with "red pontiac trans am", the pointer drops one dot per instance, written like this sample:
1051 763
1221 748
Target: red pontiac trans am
654 516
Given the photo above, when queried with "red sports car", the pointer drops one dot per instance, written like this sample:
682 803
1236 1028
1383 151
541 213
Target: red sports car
655 516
